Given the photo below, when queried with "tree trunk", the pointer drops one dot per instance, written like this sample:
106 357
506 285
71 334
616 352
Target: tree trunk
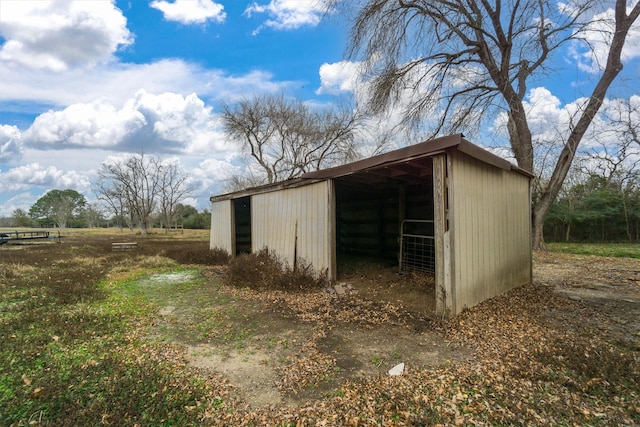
538 227
625 211
144 225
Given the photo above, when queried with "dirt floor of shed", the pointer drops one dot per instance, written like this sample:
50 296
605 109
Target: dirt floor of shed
380 281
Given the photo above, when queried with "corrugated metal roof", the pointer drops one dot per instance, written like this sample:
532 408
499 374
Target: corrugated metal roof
408 161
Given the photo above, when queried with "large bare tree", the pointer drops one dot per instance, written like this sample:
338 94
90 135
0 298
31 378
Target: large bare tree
138 185
467 59
134 180
286 138
174 187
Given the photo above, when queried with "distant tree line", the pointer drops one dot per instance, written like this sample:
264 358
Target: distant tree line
135 191
596 210
600 200
96 216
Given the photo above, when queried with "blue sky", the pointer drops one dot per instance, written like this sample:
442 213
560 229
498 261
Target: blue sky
84 81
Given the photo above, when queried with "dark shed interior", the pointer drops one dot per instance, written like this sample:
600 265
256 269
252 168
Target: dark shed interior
378 210
242 218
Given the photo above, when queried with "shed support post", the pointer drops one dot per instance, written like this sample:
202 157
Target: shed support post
402 203
332 225
443 282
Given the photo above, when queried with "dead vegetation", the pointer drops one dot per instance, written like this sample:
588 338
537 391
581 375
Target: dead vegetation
264 270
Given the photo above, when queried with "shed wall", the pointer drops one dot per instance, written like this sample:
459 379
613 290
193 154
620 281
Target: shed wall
491 229
296 222
222 227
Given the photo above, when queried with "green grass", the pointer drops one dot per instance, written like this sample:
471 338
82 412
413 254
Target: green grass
619 250
80 358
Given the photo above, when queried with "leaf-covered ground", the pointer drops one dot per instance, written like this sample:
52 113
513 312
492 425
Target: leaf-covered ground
542 355
92 337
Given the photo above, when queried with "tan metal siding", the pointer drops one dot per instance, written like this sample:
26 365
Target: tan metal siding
490 215
278 217
222 226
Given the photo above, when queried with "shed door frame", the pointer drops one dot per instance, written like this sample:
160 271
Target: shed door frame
237 210
445 303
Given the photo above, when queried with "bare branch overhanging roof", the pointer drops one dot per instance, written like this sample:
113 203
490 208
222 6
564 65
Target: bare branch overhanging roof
410 157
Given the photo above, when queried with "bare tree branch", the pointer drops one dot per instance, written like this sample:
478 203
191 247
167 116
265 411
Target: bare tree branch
286 138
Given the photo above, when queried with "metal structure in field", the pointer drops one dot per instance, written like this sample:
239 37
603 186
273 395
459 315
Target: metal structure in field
21 236
446 207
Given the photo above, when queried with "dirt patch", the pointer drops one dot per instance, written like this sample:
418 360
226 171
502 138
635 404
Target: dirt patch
590 278
606 292
279 349
248 371
365 352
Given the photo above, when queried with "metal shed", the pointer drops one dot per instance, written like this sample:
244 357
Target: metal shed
444 206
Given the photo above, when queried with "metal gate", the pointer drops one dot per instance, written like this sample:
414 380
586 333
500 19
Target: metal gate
417 246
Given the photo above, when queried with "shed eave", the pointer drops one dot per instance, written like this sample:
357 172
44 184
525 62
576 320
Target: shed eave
424 149
488 157
290 183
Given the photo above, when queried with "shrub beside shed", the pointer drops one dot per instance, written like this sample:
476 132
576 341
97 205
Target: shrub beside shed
444 206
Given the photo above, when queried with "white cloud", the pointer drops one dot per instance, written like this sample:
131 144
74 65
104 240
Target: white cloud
544 110
59 35
623 112
339 77
211 175
191 11
592 56
618 122
97 125
288 14
379 132
35 175
19 201
349 77
164 123
10 143
116 83
547 118
551 121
